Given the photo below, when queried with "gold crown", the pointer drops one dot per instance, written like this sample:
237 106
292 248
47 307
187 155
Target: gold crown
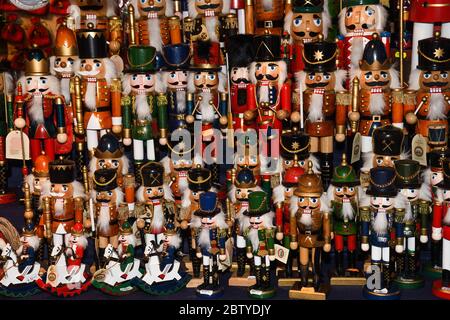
37 67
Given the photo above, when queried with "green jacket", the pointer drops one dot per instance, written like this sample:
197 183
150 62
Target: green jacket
128 259
339 225
266 242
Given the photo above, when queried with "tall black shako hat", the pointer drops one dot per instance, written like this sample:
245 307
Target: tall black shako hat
105 179
240 50
92 44
152 174
62 171
382 182
434 53
320 56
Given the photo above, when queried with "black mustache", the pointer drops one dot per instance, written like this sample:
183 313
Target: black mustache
312 34
306 207
377 83
268 77
207 86
154 198
177 83
182 168
241 80
103 200
434 84
150 9
382 206
208 6
34 90
353 27
317 85
145 86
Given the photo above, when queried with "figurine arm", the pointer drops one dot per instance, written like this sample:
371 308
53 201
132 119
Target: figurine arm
342 109
162 115
79 209
126 112
397 108
116 107
279 216
270 241
286 96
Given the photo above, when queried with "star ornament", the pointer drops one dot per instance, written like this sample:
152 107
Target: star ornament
438 53
102 179
318 55
295 145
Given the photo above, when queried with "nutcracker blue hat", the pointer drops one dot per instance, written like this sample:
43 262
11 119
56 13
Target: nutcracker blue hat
29 229
382 182
176 56
245 179
108 147
208 205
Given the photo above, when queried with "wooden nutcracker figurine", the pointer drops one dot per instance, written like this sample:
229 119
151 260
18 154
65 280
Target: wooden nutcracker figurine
430 107
310 232
320 82
45 115
307 20
358 21
417 198
295 149
210 224
343 194
381 212
96 99
441 230
266 15
142 104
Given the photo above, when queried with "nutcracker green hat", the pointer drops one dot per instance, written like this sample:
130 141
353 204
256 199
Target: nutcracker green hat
344 175
352 3
126 229
258 204
407 174
141 59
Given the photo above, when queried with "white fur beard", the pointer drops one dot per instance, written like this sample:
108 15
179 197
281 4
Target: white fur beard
437 107
158 217
181 100
81 241
447 217
203 238
315 109
36 111
264 94
376 104
254 239
211 27
357 49
59 207
347 210
32 242
154 33
65 89
306 219
207 110
90 95
380 224
182 184
408 213
142 107
103 219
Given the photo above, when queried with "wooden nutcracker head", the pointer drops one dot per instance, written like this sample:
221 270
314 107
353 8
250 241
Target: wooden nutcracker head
176 59
171 237
40 174
382 189
258 211
62 179
29 237
141 78
207 8
387 145
106 188
241 53
247 155
77 237
309 191
126 236
344 183
436 158
109 154
199 182
407 178
361 16
181 155
152 175
205 67
294 148
65 52
290 180
245 184
154 8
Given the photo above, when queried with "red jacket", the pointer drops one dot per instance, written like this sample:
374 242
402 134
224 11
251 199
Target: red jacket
439 212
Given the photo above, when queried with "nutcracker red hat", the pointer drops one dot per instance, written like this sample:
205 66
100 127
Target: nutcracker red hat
41 166
77 229
36 64
206 56
65 41
291 176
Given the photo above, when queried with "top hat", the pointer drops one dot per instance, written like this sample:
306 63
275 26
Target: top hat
307 6
258 204
108 147
36 64
240 50
152 174
445 183
176 56
344 175
92 44
105 179
352 3
382 182
320 56
387 140
141 59
206 56
268 47
291 176
65 42
199 179
245 179
208 204
309 184
77 229
407 174
375 57
62 171
295 145
434 53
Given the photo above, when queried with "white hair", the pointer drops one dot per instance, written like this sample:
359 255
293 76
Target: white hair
278 194
111 71
81 241
414 77
341 76
293 205
191 86
74 11
126 86
175 241
9 83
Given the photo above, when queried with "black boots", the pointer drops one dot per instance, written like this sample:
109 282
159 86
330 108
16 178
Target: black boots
206 275
445 278
3 178
386 276
304 275
258 278
400 264
435 254
340 263
326 168
101 257
288 268
241 256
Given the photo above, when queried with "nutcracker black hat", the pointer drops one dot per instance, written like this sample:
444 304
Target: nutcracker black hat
245 178
152 174
295 145
387 140
199 179
382 182
62 171
268 47
208 205
108 147
258 204
375 57
240 50
435 158
176 56
434 53
320 56
307 6
352 3
445 183
105 179
92 44
407 174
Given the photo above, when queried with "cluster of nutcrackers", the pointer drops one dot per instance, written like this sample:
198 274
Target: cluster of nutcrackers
174 141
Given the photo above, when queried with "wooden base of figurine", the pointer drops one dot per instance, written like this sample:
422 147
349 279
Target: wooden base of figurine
165 288
244 281
194 282
20 290
284 281
432 272
210 292
410 283
8 198
64 290
261 293
348 281
439 291
392 294
308 293
122 289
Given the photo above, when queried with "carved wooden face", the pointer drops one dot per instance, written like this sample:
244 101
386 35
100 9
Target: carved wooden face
205 80
305 27
320 80
195 196
64 66
142 83
109 196
411 194
267 71
151 193
177 79
74 239
385 203
249 161
149 8
111 163
446 195
37 85
375 79
38 182
242 193
181 164
288 192
344 192
209 222
308 203
61 190
384 161
240 75
209 7
436 177
92 68
257 222
360 18
434 79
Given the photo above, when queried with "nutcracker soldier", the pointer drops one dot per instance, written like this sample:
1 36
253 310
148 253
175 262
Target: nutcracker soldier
142 103
430 107
294 149
358 21
306 21
45 114
320 82
99 90
381 212
211 233
310 233
417 198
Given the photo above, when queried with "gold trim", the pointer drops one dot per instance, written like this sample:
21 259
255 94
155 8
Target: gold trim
319 62
199 181
297 151
106 183
431 59
382 185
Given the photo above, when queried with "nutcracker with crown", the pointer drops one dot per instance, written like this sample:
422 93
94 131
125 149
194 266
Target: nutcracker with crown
164 274
381 212
20 266
343 195
441 231
96 98
209 223
417 198
358 21
310 234
428 107
121 273
323 112
307 20
144 105
281 197
243 185
43 115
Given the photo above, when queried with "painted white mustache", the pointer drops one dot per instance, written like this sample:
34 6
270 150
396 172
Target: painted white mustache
68 68
88 73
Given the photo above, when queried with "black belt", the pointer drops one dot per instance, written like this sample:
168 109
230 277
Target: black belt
102 109
268 24
371 118
62 220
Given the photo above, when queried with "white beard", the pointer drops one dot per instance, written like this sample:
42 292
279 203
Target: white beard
211 26
59 207
154 33
264 94
357 50
380 224
182 184
206 110
408 213
306 219
447 217
347 210
376 104
315 109
142 107
103 218
203 238
65 89
90 96
36 110
158 217
181 100
437 107
253 236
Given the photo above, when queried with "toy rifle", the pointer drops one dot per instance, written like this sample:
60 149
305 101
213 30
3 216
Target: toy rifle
230 130
91 214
